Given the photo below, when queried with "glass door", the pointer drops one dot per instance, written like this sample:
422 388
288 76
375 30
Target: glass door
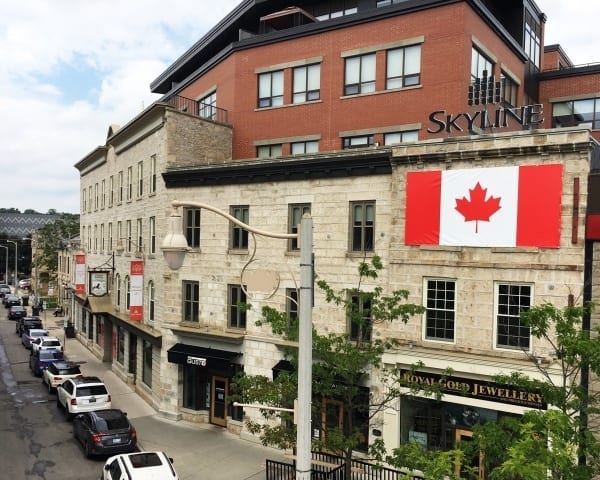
218 406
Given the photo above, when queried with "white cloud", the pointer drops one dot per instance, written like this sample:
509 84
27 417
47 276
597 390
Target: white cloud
71 68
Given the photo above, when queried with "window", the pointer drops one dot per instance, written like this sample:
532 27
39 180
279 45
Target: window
153 174
237 311
151 299
89 238
300 148
127 292
268 151
110 237
358 142
509 91
96 197
129 183
191 301
359 317
139 231
532 38
292 303
385 3
102 244
129 236
121 345
95 238
207 106
480 64
120 187
147 363
119 232
239 236
295 213
339 8
84 201
307 83
511 300
89 199
118 288
196 388
152 229
270 89
403 67
359 74
192 227
363 226
140 179
583 113
440 304
103 197
111 191
401 137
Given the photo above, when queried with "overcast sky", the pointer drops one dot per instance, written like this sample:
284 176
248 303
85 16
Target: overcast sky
71 68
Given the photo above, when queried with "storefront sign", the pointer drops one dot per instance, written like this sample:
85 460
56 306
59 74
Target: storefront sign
478 389
529 116
136 288
196 361
80 274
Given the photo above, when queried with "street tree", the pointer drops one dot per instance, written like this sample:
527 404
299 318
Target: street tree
343 406
549 443
51 237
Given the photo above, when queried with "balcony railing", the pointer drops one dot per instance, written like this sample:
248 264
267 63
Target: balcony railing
198 109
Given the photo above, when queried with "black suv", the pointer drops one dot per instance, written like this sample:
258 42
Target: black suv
25 323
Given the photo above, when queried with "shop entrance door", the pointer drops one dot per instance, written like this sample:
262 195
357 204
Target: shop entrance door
218 404
462 435
332 416
133 356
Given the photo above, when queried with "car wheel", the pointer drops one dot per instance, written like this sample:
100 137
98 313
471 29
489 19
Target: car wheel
69 414
87 449
50 389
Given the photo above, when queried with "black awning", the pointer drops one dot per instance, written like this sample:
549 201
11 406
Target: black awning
282 366
211 358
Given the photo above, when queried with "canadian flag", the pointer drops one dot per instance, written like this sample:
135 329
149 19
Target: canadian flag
485 207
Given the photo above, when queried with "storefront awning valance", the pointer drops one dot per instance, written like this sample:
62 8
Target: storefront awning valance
211 358
282 366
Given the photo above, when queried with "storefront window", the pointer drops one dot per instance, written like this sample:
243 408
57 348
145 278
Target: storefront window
99 328
121 345
196 388
147 363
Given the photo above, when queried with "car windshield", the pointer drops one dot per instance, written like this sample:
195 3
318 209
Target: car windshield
111 421
50 343
69 371
37 334
50 355
141 460
89 390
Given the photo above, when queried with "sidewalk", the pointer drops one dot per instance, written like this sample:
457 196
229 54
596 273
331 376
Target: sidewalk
199 451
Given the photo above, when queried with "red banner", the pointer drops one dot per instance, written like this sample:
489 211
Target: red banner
80 274
136 289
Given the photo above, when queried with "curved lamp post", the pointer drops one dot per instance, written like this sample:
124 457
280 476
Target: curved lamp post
5 263
16 257
175 246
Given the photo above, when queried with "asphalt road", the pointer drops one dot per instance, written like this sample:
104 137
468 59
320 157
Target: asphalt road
36 440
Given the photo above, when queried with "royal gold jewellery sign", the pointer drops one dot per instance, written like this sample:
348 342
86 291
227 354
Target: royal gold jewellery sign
482 390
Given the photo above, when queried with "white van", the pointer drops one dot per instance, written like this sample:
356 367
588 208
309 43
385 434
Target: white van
139 466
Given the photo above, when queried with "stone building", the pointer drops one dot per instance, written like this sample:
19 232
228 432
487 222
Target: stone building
337 111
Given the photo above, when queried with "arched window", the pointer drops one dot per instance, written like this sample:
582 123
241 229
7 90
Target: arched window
127 292
118 288
151 300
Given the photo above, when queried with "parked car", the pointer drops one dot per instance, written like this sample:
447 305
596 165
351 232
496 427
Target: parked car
44 342
10 300
26 323
104 432
82 394
38 361
58 372
16 311
30 335
25 283
139 466
4 290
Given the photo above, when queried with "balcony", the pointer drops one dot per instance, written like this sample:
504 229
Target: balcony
202 110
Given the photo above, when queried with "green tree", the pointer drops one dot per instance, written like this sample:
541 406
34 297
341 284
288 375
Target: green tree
342 367
547 443
51 237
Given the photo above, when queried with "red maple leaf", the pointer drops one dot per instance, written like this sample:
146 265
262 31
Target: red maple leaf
477 208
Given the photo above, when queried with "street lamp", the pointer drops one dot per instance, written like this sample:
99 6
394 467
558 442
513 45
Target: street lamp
175 247
16 257
5 263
